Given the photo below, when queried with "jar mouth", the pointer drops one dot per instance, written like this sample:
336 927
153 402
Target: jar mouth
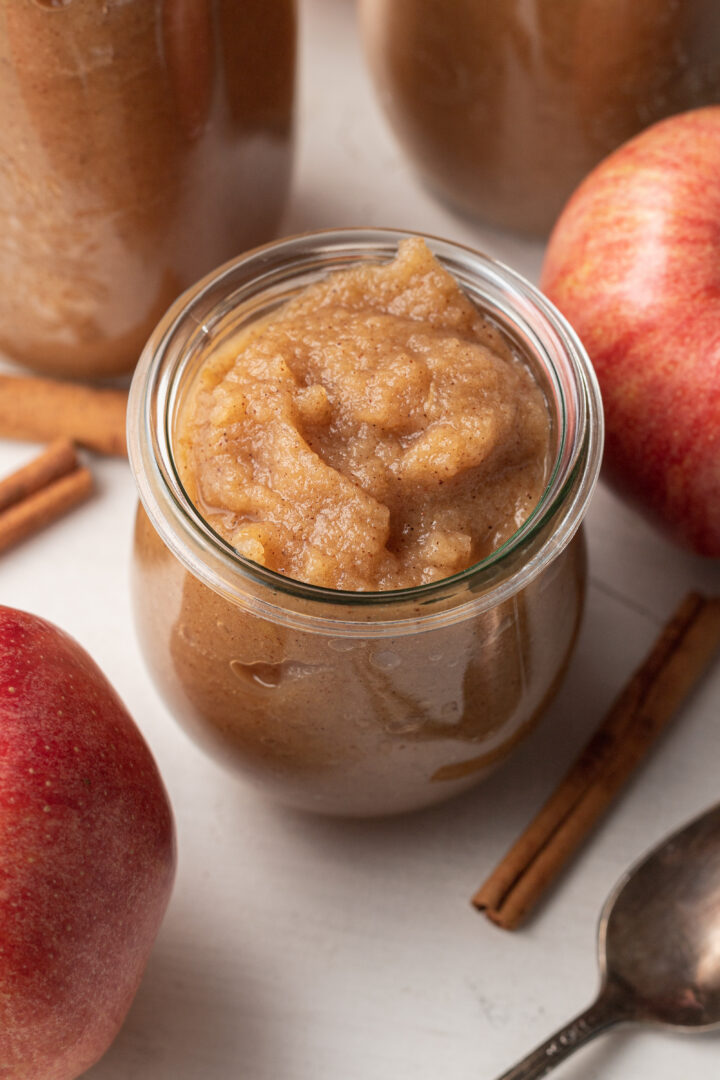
267 276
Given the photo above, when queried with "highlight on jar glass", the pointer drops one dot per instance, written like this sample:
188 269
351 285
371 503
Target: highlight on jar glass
143 142
504 107
363 460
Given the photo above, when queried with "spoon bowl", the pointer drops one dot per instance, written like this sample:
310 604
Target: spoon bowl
658 947
659 935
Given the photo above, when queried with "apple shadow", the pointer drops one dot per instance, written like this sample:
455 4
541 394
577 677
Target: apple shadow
183 1021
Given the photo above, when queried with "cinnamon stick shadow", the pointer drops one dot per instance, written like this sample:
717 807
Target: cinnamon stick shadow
640 714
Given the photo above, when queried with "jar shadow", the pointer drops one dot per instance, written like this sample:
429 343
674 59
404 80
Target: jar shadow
326 208
479 825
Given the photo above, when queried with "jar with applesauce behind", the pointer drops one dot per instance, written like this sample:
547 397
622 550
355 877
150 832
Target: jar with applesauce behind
504 105
345 702
142 142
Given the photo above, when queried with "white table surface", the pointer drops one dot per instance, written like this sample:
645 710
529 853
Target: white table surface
298 948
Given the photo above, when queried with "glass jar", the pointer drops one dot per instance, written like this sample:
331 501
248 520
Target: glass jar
142 142
341 702
504 105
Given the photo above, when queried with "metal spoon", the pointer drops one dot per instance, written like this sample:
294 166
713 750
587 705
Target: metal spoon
658 947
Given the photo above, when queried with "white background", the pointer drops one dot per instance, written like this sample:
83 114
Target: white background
308 949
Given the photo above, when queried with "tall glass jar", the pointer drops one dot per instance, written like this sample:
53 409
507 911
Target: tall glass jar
504 105
341 702
142 142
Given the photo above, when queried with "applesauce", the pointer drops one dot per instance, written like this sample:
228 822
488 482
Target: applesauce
142 142
364 700
376 433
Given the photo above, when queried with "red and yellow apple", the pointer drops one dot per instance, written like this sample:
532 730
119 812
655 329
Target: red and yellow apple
634 264
87 854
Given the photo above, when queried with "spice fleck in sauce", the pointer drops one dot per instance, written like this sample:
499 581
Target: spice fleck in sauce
376 432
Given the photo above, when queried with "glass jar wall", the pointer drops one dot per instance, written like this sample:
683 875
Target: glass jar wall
142 143
504 105
357 703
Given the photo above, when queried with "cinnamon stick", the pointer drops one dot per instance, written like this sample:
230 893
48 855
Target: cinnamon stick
39 509
41 410
638 717
57 460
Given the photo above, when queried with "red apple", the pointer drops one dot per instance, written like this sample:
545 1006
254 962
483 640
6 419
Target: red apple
87 854
634 264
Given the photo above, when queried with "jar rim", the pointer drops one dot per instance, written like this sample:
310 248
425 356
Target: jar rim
499 291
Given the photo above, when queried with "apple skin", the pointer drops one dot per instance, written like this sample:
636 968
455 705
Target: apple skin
87 854
634 264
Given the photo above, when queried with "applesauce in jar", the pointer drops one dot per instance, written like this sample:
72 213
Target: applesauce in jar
358 576
504 106
142 142
376 433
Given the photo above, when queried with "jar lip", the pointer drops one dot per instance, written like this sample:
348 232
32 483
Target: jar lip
213 560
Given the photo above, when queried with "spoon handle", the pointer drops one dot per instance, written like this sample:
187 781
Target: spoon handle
601 1015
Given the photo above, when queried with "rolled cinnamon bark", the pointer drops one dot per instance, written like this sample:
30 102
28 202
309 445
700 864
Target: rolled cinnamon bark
41 410
680 656
59 458
33 513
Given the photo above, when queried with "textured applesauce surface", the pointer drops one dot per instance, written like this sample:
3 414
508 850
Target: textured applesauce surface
374 433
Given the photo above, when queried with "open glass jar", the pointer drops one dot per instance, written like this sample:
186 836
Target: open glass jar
142 142
357 703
